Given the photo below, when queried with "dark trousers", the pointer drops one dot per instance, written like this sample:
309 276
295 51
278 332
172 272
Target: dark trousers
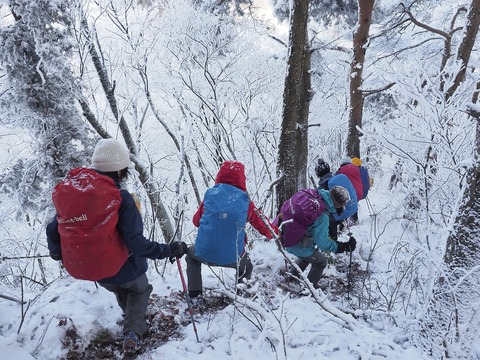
132 297
194 270
318 262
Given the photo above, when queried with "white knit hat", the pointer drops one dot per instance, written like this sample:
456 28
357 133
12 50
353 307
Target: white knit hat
111 155
345 160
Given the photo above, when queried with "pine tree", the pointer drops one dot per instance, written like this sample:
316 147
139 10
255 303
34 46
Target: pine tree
40 95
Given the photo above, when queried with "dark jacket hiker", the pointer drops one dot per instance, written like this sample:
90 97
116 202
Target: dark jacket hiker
98 232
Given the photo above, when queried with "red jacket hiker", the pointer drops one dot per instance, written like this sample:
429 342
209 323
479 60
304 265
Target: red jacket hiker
353 174
233 173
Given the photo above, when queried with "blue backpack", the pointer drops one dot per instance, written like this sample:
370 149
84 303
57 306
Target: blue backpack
221 235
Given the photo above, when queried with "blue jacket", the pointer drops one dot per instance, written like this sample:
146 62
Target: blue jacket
352 206
130 227
323 181
317 233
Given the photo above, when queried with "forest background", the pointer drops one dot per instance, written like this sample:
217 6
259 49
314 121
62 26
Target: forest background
275 84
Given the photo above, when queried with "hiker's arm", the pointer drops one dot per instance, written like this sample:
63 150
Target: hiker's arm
258 223
320 234
350 209
198 215
53 238
130 226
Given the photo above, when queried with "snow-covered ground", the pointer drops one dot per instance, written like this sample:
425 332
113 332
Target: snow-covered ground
270 325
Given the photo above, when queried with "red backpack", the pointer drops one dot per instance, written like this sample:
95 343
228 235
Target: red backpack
87 206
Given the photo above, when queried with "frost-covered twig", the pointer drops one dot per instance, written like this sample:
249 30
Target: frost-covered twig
268 318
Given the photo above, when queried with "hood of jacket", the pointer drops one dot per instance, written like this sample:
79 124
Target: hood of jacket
232 172
325 194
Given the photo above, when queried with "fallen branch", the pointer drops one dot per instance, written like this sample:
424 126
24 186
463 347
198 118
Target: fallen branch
320 298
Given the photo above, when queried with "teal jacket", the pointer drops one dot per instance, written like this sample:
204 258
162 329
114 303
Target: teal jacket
317 234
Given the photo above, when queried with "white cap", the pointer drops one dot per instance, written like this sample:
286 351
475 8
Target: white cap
111 155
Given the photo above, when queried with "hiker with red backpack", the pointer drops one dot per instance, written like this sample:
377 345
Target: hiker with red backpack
358 175
97 233
221 220
353 173
364 175
305 229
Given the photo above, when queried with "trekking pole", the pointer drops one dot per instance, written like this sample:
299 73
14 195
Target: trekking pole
349 277
349 274
187 298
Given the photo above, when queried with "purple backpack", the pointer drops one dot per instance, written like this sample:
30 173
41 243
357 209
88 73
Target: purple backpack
303 208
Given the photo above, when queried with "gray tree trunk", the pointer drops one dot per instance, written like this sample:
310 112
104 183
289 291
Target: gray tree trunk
466 46
360 39
449 327
293 145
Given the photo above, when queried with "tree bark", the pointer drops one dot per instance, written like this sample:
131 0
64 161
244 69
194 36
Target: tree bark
293 145
466 46
360 39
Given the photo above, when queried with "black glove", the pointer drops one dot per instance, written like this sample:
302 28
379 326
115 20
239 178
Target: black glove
177 250
56 257
352 244
341 247
347 246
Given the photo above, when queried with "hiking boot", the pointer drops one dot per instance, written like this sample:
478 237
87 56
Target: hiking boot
291 275
197 302
243 290
131 342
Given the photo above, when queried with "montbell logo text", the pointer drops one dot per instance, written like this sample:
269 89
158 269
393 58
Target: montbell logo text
82 217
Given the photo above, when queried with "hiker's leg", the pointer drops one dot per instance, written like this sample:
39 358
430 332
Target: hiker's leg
120 294
302 264
354 218
139 291
245 268
319 262
194 272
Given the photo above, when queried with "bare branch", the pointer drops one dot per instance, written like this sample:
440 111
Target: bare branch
278 40
6 297
424 26
375 91
473 111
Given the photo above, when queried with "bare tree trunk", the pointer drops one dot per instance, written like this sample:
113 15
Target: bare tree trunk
360 39
466 46
293 145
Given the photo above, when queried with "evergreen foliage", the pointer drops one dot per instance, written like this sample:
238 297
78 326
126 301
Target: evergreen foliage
40 95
